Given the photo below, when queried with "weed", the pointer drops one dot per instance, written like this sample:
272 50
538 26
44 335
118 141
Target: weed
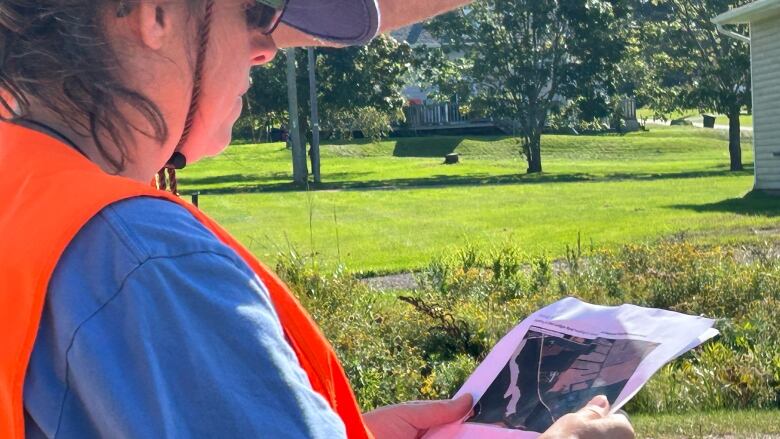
423 344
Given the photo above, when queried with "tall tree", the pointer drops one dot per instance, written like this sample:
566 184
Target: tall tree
347 79
267 97
529 56
369 76
693 65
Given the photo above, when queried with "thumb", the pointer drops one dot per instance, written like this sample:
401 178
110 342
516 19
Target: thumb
424 415
597 408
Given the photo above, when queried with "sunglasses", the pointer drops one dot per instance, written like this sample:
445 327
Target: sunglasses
264 17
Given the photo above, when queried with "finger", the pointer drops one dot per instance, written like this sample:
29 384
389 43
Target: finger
433 413
598 407
614 427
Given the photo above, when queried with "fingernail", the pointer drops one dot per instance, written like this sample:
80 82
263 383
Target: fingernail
600 401
464 397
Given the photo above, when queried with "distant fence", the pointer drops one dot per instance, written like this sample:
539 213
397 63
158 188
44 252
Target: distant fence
433 114
448 113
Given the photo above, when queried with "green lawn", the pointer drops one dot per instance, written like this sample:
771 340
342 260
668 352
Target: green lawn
391 206
745 120
740 424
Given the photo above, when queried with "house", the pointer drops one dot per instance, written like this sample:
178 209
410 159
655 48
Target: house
423 113
415 36
763 16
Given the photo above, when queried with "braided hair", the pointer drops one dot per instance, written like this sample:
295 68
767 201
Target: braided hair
178 161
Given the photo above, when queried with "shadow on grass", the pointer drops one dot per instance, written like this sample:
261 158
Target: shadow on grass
754 203
233 178
477 179
251 180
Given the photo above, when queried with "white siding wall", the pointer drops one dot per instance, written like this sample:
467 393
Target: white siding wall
765 52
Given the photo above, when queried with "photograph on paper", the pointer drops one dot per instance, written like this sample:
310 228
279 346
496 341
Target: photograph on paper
551 374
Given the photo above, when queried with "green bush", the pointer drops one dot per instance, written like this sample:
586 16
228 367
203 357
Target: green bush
424 343
374 124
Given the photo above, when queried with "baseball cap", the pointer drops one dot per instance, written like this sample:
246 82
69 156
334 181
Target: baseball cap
348 22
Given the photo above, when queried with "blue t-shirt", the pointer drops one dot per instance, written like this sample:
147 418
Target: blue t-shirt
152 328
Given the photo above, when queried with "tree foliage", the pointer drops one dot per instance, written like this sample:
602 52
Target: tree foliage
447 77
527 57
370 76
347 79
691 65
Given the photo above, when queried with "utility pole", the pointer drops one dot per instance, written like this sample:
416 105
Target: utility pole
300 170
315 117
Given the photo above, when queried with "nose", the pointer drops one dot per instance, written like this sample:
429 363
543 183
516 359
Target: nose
263 49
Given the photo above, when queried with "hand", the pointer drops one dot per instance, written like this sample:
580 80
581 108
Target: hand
412 419
592 422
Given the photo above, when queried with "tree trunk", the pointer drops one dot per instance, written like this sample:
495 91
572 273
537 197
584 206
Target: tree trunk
300 171
735 136
305 140
535 153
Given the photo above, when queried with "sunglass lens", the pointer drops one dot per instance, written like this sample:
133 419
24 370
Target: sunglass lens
263 17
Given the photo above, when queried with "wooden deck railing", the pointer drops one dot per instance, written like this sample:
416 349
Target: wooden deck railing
433 114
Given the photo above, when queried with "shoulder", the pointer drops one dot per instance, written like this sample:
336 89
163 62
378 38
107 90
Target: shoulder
128 235
154 228
145 284
148 241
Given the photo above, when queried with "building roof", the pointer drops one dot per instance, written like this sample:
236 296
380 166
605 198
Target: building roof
415 35
748 12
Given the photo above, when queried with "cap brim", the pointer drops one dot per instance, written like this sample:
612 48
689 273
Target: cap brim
348 22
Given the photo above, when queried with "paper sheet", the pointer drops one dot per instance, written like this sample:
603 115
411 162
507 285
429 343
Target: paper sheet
561 356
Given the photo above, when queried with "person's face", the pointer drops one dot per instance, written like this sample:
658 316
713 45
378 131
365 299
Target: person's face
234 47
158 46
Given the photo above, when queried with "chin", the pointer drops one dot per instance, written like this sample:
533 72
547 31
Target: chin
210 150
218 145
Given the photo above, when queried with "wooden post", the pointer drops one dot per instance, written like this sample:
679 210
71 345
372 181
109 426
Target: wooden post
300 170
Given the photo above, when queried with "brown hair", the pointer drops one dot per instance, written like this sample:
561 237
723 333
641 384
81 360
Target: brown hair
57 52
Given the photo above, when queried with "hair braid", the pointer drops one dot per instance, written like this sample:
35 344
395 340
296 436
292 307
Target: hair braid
197 80
161 181
199 66
173 186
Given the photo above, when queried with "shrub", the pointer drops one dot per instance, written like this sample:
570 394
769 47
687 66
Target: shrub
372 123
424 343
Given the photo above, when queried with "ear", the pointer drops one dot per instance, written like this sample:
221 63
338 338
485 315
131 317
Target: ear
154 24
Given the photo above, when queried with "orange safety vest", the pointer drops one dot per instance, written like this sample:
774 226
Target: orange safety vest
48 192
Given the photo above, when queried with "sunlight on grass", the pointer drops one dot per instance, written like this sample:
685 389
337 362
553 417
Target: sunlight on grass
390 206
742 424
745 120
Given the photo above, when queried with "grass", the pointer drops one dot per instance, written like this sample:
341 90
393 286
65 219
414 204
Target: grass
745 120
391 206
742 424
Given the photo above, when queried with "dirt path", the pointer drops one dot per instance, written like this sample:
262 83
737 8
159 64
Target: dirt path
745 254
